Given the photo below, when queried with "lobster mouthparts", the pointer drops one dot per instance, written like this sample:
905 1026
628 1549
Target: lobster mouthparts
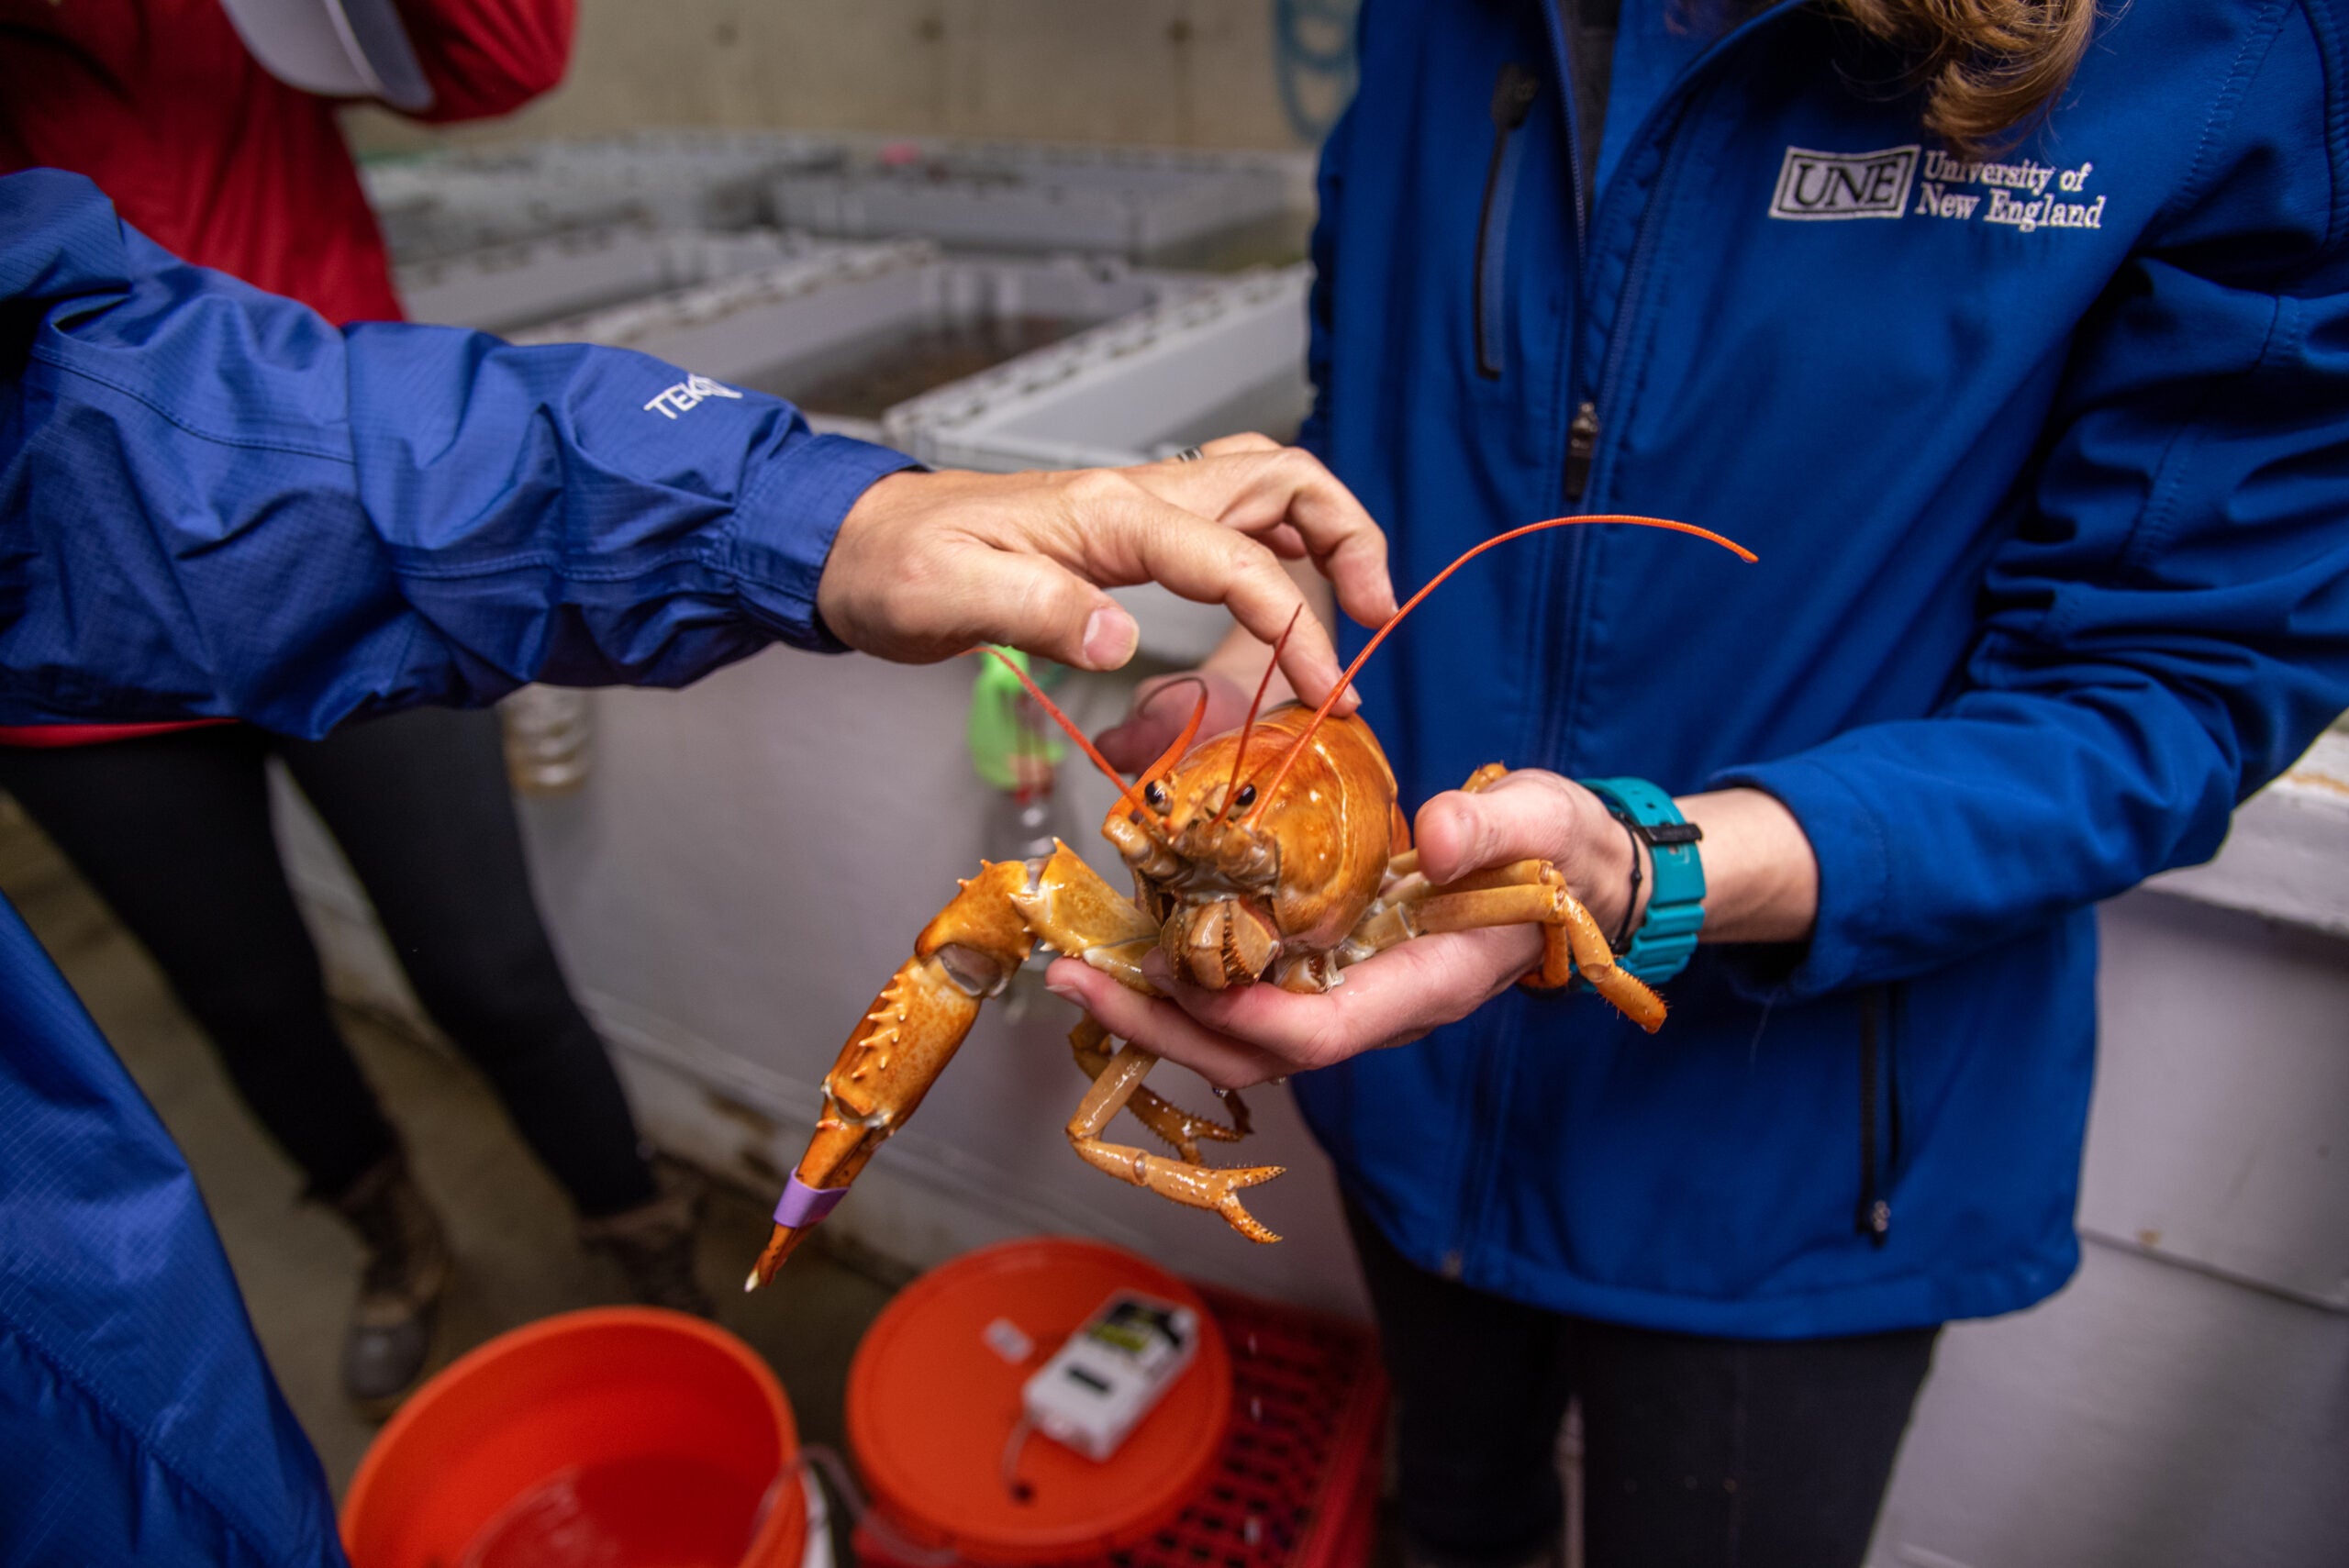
1220 943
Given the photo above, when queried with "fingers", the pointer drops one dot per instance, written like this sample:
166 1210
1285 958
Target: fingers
1036 604
1252 484
1239 441
1391 999
1253 1033
1133 741
926 563
1156 720
1160 1027
1527 815
1129 534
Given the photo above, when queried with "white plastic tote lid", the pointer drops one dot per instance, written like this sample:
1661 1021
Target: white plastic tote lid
338 49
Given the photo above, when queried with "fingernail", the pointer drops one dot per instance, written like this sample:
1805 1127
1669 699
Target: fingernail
1110 638
1066 993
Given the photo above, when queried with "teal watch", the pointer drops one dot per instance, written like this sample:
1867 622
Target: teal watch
1666 936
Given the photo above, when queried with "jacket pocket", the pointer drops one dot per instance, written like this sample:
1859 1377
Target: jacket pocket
1880 1111
1513 94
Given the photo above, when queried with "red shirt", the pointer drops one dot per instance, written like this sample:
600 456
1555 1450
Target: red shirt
208 155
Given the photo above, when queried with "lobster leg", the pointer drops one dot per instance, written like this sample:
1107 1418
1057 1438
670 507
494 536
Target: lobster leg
1070 907
1180 1129
1570 940
1199 1186
1522 893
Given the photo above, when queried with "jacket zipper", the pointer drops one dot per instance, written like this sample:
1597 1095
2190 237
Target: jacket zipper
1582 449
1581 441
1564 580
1893 1033
1587 426
1514 90
1582 436
1873 1215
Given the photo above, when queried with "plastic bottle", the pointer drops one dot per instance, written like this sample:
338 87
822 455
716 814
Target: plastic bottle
546 739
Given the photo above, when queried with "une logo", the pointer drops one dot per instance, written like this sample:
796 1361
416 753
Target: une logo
1844 185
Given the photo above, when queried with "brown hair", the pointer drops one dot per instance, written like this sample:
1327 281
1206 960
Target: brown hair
1987 65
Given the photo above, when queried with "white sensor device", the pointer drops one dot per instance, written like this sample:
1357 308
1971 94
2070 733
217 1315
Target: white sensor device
1107 1376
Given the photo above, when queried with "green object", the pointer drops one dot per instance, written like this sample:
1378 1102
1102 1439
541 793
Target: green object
1667 935
1006 729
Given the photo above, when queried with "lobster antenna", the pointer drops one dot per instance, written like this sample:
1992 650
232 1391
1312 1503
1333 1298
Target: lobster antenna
1231 786
1297 749
1037 692
1173 754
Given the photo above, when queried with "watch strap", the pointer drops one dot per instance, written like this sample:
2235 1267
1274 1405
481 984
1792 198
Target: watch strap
1666 936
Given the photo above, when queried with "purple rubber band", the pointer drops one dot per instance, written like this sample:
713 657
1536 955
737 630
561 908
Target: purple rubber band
804 1205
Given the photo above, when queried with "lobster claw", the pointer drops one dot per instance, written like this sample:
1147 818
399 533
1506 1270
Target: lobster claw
964 955
839 1152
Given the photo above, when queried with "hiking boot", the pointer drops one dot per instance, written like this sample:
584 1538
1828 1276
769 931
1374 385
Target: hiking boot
399 1289
653 1244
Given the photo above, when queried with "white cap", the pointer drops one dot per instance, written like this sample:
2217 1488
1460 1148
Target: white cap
338 49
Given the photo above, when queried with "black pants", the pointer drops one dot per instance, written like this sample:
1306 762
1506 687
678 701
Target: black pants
174 831
1725 1453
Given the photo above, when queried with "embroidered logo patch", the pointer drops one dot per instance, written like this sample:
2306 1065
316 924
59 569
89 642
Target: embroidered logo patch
1820 185
687 395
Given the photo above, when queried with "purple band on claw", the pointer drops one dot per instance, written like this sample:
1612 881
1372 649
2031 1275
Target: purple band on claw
804 1205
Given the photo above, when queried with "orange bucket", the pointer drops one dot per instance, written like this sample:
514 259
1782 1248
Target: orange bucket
622 1437
933 1407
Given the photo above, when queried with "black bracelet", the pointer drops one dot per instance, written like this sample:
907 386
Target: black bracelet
1631 904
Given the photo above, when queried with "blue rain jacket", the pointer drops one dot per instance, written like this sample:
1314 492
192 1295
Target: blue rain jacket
2046 458
213 503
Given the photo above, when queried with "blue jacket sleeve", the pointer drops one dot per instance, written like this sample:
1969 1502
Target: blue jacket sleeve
2168 626
215 504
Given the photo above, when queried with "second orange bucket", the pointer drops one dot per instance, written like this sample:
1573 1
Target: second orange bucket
620 1437
934 1401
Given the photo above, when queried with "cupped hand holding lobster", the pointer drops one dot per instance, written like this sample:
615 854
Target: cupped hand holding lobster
1243 1036
1762 883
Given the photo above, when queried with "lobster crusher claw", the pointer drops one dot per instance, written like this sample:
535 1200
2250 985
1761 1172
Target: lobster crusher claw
798 1212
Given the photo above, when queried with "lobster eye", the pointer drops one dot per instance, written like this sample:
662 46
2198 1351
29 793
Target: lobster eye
1245 798
1153 793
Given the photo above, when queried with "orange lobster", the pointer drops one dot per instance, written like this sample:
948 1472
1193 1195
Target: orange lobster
1313 877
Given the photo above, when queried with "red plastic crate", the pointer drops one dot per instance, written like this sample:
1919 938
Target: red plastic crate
1296 1485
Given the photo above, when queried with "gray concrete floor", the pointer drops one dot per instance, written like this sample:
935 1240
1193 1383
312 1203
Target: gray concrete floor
517 1259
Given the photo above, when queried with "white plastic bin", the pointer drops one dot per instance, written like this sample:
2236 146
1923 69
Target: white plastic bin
851 331
1167 207
501 287
1143 203
464 198
1224 359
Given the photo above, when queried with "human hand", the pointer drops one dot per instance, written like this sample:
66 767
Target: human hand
1163 704
1251 1033
1231 678
928 564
